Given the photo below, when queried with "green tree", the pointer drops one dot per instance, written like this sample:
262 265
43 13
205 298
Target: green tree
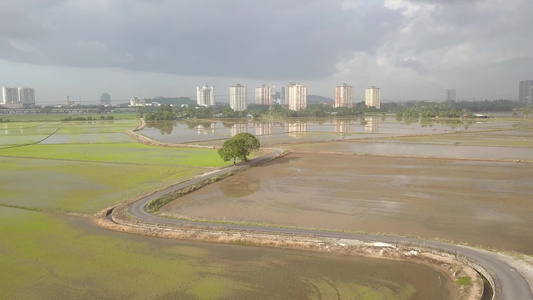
239 146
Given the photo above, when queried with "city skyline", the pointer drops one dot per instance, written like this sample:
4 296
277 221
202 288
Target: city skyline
413 49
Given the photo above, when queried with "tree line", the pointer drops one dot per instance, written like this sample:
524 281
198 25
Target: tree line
410 109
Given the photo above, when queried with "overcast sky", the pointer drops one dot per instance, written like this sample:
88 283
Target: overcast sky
411 49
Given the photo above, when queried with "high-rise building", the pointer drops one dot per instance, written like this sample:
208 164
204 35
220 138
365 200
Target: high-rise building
449 95
26 96
297 97
282 95
105 99
10 95
205 95
344 96
372 97
525 91
263 95
237 97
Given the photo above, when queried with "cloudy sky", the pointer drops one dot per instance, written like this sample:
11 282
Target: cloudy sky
411 49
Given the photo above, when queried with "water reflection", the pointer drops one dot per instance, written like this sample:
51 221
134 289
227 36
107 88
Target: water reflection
296 129
188 131
239 128
263 128
206 128
165 127
344 126
372 124
240 187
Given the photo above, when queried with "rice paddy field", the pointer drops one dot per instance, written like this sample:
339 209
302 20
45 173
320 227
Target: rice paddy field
50 256
50 169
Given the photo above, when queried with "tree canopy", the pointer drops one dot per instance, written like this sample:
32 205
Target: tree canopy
239 146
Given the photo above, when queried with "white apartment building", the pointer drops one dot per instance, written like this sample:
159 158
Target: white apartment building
344 95
10 95
205 95
237 97
297 97
26 96
263 95
18 97
372 97
525 91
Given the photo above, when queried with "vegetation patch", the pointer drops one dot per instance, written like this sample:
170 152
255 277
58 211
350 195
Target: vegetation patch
156 204
463 280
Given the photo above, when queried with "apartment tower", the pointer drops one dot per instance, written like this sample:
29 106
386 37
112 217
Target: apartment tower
344 96
263 95
26 96
449 95
372 97
205 95
10 95
525 91
105 99
297 97
237 97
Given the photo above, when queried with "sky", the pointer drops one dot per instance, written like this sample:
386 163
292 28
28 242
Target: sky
410 49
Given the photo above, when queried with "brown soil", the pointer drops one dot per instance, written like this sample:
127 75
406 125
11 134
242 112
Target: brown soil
473 202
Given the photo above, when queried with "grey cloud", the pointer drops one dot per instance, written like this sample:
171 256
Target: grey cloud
275 39
412 64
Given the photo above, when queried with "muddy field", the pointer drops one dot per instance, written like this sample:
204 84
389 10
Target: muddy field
474 202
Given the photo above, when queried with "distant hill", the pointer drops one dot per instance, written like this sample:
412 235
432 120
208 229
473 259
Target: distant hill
314 99
174 101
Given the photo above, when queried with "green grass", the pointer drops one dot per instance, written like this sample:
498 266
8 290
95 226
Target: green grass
59 117
81 186
463 280
50 256
45 257
120 153
88 166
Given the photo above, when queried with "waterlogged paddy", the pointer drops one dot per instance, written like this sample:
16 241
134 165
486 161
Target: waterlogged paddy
84 167
53 257
480 203
391 148
81 186
298 130
20 133
87 166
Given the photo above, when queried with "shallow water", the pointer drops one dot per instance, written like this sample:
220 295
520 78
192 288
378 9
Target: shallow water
341 128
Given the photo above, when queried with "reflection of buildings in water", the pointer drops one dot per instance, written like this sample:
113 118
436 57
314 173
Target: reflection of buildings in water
372 124
343 126
295 129
239 128
206 129
263 129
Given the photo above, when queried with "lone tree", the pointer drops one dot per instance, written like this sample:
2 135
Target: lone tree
239 146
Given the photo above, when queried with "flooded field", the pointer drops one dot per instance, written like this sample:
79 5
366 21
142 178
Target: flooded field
298 130
466 181
48 256
84 167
